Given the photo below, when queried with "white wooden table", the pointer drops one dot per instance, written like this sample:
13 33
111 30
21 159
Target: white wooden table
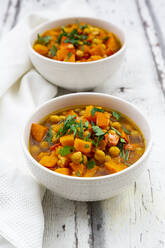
135 218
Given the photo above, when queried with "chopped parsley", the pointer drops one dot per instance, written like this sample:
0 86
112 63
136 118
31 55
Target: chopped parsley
66 150
53 51
98 131
49 136
114 129
125 130
69 55
116 115
122 140
126 155
43 40
86 124
86 146
94 110
90 164
78 173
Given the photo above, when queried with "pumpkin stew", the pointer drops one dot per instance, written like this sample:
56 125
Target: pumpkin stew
86 141
78 42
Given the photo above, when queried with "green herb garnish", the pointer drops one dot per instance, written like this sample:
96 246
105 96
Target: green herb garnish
82 159
127 164
122 140
69 55
94 110
97 130
66 150
49 136
43 40
114 129
126 155
86 146
125 130
116 115
78 173
53 50
88 136
86 124
69 122
90 164
106 38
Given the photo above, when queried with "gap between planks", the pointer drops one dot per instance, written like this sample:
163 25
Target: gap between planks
154 38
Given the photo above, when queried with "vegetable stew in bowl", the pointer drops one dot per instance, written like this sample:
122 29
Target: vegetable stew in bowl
86 141
78 42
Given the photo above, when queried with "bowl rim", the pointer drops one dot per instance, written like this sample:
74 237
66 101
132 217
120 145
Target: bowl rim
121 50
117 174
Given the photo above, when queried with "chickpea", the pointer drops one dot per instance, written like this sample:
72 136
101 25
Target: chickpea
62 117
139 150
95 32
62 162
70 46
134 133
54 138
79 53
114 151
82 112
44 144
84 159
76 157
97 41
116 125
99 156
77 110
86 31
54 118
35 149
86 133
107 158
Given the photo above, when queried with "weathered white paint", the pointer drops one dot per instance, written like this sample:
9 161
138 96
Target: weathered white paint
137 217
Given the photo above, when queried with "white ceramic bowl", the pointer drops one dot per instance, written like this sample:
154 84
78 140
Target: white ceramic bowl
77 76
95 188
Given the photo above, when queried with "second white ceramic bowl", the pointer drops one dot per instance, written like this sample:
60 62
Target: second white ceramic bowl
95 188
77 76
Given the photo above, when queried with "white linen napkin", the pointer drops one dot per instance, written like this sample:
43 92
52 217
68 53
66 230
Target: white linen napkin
21 89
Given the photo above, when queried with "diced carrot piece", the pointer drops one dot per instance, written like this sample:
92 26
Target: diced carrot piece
82 145
49 161
97 50
67 140
102 119
65 171
77 168
114 167
38 131
91 172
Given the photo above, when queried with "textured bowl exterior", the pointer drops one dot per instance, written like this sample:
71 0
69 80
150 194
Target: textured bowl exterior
77 76
87 189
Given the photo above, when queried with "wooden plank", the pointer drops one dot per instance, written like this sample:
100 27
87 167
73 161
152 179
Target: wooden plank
133 219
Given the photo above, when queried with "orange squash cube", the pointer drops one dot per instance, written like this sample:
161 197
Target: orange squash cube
114 167
82 145
38 131
67 140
